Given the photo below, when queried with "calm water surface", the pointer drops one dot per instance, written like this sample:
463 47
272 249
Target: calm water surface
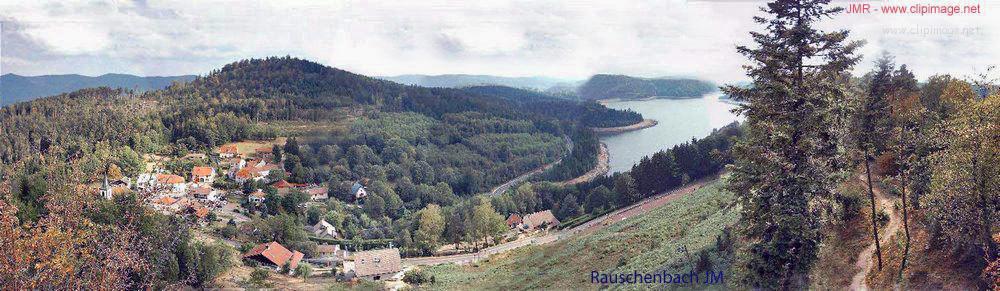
679 121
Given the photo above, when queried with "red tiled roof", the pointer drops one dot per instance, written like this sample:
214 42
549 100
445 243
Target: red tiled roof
294 261
201 171
286 184
166 200
201 191
246 172
514 219
169 179
263 150
199 210
276 254
229 149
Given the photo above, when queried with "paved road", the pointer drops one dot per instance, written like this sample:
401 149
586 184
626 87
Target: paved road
524 177
594 224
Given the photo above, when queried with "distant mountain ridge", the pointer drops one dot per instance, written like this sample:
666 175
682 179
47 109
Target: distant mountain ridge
16 88
462 80
604 86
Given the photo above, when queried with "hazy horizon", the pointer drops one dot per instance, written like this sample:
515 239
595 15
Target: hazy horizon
571 40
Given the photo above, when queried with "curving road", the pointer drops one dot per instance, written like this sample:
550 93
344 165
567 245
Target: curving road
524 177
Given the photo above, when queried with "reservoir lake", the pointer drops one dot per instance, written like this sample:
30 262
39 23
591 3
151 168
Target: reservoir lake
680 120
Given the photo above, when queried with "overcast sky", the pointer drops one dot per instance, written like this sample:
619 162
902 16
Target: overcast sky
566 39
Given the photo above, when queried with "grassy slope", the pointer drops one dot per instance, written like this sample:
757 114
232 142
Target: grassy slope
647 243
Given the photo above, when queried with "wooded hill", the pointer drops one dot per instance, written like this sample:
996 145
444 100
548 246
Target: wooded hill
626 87
227 105
421 151
588 113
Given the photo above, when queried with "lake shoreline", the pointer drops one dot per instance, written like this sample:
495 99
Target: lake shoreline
645 123
679 120
611 100
602 168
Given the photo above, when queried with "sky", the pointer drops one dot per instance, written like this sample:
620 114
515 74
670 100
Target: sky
560 39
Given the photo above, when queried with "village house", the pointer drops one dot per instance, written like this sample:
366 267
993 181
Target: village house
203 175
173 182
264 153
165 204
229 151
170 205
323 229
284 187
328 255
377 264
318 193
323 251
204 193
539 220
198 211
274 255
358 190
233 164
256 197
513 221
256 171
145 181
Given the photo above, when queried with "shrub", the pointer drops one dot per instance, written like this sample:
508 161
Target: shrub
724 241
303 270
417 276
704 262
882 217
259 276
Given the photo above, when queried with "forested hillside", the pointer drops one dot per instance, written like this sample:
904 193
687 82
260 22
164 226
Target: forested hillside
462 80
415 148
588 113
627 87
16 88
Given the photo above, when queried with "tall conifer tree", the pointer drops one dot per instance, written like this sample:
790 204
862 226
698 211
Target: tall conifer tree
787 156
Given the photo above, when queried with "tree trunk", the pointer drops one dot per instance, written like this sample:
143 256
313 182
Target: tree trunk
871 196
906 228
984 213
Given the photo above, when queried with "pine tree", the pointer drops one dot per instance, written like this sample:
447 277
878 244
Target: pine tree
910 140
872 127
786 158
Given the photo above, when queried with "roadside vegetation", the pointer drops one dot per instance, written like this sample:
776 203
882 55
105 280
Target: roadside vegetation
690 233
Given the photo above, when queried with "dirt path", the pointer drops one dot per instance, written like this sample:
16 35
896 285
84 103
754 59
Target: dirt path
866 260
602 167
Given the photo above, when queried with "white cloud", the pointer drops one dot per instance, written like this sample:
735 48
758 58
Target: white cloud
515 38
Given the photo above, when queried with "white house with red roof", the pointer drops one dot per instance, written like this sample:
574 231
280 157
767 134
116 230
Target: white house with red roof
229 151
203 175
